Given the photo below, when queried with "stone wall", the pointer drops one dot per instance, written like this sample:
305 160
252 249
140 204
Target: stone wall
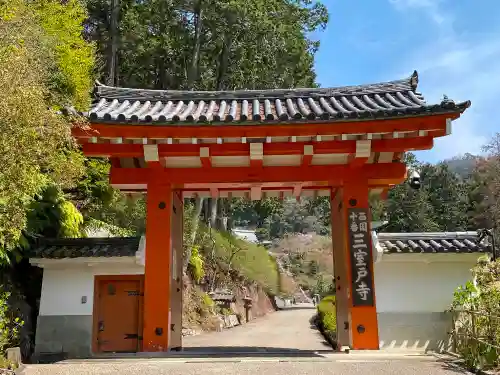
68 334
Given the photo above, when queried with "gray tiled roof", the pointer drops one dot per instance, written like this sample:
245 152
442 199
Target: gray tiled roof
371 101
86 247
440 242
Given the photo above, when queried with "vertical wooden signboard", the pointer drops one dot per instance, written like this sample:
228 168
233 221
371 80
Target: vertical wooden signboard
360 250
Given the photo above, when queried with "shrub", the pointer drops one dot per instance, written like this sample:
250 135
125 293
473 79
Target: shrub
196 264
207 301
476 307
327 317
9 325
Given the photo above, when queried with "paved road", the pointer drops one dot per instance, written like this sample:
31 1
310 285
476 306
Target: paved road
311 366
282 343
287 330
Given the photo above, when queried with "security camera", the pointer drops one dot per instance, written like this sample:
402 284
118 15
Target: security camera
414 180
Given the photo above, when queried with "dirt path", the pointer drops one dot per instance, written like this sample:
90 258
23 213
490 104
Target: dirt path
288 329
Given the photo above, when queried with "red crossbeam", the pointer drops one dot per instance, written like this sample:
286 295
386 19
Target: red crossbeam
333 174
243 149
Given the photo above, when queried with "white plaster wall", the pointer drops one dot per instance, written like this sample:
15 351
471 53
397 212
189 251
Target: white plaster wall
63 289
417 286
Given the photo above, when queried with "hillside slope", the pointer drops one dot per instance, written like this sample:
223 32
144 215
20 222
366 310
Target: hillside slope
308 258
222 263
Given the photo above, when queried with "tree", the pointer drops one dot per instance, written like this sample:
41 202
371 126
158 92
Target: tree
447 195
439 205
44 65
485 191
173 45
409 210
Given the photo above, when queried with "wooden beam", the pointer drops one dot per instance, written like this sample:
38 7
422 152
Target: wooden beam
243 149
206 161
363 152
256 154
355 162
430 123
150 153
297 190
255 193
308 155
334 173
214 192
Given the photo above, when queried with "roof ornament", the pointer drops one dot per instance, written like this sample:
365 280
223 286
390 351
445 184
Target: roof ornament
447 102
414 80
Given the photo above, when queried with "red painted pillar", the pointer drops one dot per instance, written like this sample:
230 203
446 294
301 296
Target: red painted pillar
157 269
357 325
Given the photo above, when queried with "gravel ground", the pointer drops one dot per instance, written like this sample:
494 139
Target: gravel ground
354 366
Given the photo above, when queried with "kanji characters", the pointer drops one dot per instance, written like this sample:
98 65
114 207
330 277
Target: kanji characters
363 291
361 274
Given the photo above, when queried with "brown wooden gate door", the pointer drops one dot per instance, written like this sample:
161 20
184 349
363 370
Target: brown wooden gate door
118 315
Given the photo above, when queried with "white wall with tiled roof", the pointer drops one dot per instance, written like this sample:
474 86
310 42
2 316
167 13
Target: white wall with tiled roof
413 291
64 290
408 286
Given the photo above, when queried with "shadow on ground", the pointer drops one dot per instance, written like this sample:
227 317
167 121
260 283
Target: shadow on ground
201 352
254 351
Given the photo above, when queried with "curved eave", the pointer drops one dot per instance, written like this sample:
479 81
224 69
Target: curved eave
432 110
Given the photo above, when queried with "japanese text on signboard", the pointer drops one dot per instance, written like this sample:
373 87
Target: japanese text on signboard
361 257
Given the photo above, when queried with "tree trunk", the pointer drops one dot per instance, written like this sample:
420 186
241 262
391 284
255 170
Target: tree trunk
224 56
112 57
213 212
193 69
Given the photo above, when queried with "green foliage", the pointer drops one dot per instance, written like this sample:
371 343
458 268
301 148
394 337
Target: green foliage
9 325
92 225
39 43
196 264
323 286
104 207
476 307
70 221
52 215
327 314
246 259
239 44
226 311
72 80
439 205
208 302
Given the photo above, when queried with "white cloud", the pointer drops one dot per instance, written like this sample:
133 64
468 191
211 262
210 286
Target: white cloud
430 7
464 67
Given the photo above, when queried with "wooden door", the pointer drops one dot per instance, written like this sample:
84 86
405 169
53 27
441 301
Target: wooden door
118 315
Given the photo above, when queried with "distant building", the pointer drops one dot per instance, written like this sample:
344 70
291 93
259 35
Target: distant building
246 234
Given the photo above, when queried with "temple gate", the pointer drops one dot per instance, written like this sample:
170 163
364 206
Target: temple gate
344 142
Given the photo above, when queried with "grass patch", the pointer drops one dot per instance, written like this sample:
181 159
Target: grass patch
327 319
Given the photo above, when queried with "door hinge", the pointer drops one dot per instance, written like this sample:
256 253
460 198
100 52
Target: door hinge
133 293
130 336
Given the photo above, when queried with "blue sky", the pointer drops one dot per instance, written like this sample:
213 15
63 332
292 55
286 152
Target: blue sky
453 44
